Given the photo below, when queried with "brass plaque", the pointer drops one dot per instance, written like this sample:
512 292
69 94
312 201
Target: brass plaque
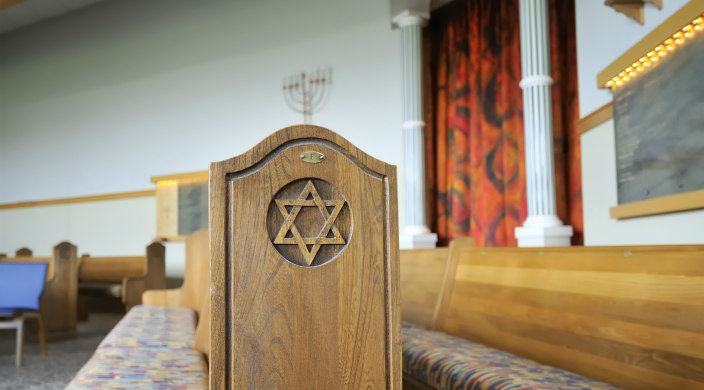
312 157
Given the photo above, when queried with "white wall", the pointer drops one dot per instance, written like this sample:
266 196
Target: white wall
602 36
99 100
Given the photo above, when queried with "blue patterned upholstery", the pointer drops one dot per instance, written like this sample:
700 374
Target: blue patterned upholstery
447 362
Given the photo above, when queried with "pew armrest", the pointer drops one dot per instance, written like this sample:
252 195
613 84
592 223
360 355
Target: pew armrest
154 277
171 297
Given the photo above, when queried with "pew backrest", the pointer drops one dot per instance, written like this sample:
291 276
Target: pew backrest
58 305
24 252
630 316
421 276
110 269
196 280
136 274
304 266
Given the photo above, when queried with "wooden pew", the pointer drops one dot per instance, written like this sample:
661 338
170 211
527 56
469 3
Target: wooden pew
123 277
196 279
23 252
59 302
421 272
304 266
630 316
303 279
194 293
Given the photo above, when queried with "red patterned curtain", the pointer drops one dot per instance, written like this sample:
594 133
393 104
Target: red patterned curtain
474 141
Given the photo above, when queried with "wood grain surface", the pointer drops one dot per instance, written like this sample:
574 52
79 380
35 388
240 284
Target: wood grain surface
422 272
24 252
136 274
280 325
196 280
110 269
630 316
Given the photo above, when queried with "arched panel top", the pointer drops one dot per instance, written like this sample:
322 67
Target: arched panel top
301 134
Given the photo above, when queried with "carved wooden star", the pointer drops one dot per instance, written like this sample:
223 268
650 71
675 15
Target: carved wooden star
328 226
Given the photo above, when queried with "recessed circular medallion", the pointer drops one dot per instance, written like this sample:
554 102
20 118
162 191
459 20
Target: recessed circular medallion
309 222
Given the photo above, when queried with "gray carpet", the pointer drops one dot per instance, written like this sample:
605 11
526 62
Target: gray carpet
66 355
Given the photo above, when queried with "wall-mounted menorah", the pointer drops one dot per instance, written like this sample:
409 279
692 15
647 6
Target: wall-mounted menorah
305 93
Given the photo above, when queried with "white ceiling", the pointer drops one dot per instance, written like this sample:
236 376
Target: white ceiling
25 12
32 11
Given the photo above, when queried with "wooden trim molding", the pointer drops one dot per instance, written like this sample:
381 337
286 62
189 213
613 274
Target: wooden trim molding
9 3
597 117
632 8
79 199
679 19
667 204
198 175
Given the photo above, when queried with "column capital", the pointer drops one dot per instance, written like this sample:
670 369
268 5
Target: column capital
411 18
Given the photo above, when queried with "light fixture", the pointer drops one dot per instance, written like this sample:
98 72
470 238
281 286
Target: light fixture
659 51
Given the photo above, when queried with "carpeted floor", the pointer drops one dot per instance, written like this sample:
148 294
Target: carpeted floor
66 355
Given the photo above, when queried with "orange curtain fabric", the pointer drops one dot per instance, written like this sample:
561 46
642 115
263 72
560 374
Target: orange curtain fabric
474 140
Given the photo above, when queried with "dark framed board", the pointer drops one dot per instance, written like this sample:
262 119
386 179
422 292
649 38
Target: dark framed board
659 127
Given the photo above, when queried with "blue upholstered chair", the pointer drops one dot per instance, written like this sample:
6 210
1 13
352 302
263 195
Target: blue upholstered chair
21 285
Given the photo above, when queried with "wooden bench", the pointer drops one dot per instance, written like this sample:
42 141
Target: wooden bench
304 279
195 288
59 301
628 316
125 277
160 331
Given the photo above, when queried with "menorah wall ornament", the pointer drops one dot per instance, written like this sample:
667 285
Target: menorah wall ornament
305 93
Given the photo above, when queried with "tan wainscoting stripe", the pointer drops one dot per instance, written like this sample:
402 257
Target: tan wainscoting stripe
181 176
679 19
80 199
667 204
597 117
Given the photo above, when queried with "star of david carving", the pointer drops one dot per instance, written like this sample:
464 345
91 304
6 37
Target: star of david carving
290 218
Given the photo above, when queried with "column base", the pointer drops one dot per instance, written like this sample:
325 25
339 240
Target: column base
539 236
417 237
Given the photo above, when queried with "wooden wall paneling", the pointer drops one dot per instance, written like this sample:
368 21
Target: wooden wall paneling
421 275
304 266
630 316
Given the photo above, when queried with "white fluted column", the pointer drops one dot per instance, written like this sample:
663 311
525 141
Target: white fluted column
416 233
542 227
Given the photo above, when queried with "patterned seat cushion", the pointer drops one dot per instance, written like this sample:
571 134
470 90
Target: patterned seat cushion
153 326
143 368
447 362
150 348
